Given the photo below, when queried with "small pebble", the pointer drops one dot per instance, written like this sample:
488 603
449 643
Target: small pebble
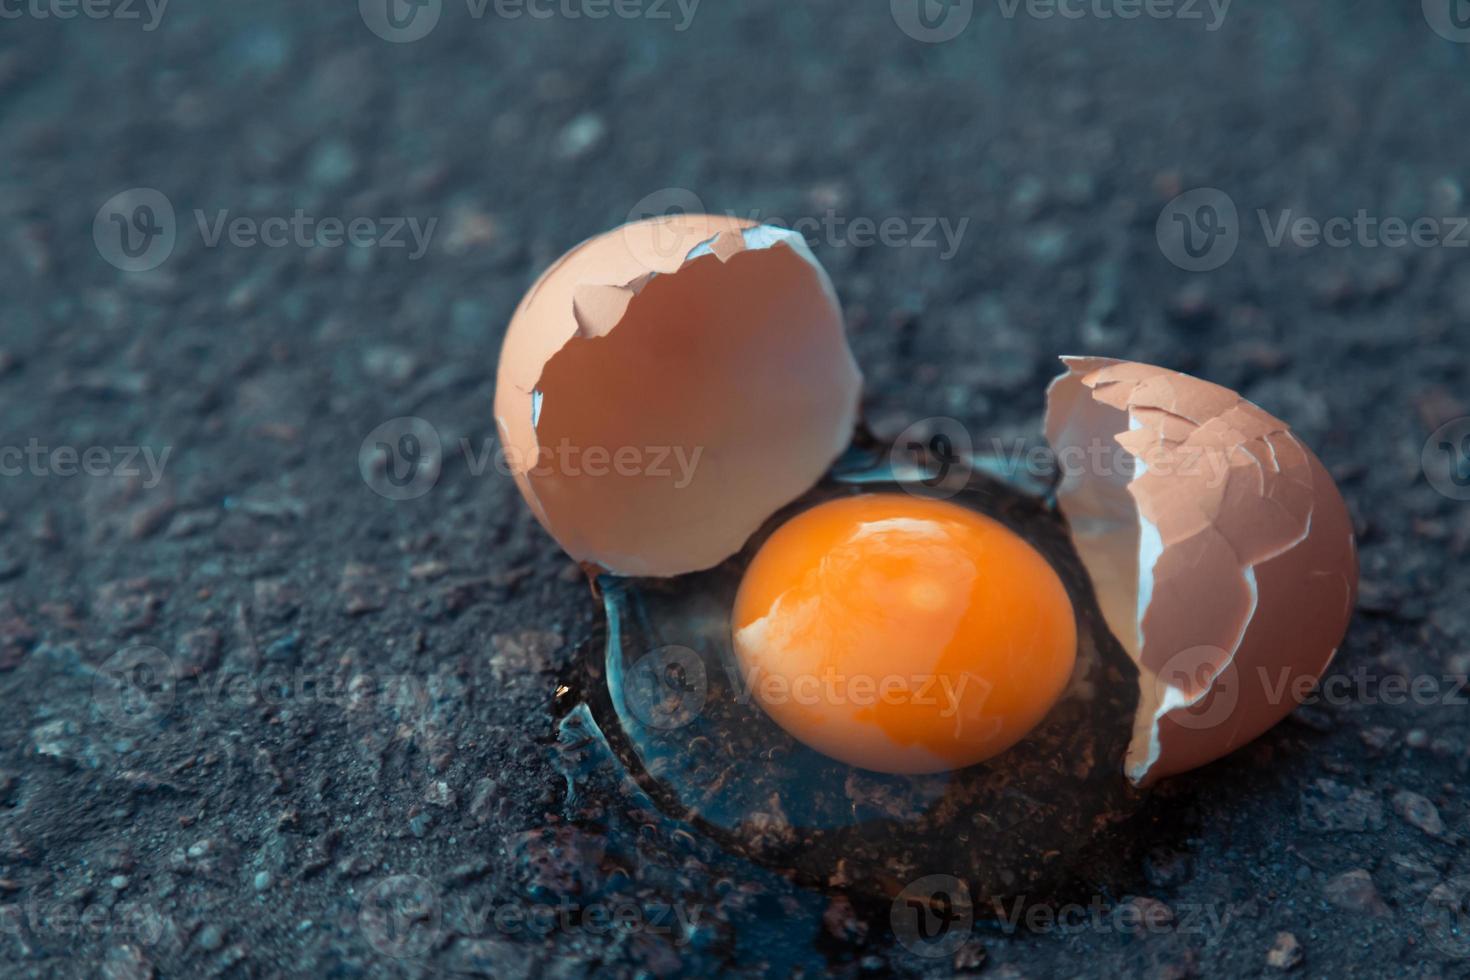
1329 806
211 938
440 793
970 957
580 136
262 881
1377 737
1419 811
127 962
1285 952
1355 891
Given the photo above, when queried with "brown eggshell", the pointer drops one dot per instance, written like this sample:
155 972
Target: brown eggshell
667 386
1220 549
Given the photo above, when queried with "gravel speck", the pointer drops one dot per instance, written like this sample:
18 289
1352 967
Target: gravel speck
211 938
1285 953
1355 892
1419 811
1329 806
581 136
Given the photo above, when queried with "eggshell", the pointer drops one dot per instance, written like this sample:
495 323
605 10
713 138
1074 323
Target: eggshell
1221 552
667 386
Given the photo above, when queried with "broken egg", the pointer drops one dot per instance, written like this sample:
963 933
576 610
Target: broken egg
679 406
667 386
1220 549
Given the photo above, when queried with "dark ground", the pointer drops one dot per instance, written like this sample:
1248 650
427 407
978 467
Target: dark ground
242 825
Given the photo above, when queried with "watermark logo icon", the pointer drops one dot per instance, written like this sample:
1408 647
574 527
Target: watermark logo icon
1446 459
134 687
1209 682
934 457
1445 917
401 21
667 688
402 458
933 916
1450 19
670 239
1199 230
933 21
136 229
401 916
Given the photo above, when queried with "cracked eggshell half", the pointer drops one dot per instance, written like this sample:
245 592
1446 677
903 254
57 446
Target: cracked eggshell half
1220 549
667 386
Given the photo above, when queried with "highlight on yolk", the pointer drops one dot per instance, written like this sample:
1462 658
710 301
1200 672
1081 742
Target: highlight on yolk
902 634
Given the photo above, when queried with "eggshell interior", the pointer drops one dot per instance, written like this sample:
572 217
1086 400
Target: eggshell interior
1221 552
666 387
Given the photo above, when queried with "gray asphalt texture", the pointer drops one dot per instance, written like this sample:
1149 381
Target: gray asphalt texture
351 762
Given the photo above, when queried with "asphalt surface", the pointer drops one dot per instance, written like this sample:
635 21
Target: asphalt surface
338 747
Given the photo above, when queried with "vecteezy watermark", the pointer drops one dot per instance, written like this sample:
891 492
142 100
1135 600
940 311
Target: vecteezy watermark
135 686
1445 917
668 238
666 688
933 916
148 12
672 920
1100 915
405 21
402 458
35 459
302 230
1211 13
832 228
1363 230
125 921
675 464
1446 459
403 917
933 21
1200 686
1450 19
140 684
833 687
401 21
934 457
937 21
1200 230
138 229
1362 686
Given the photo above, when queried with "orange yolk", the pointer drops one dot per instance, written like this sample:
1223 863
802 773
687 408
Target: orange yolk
902 634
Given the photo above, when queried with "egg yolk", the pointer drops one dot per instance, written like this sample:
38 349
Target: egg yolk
902 634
